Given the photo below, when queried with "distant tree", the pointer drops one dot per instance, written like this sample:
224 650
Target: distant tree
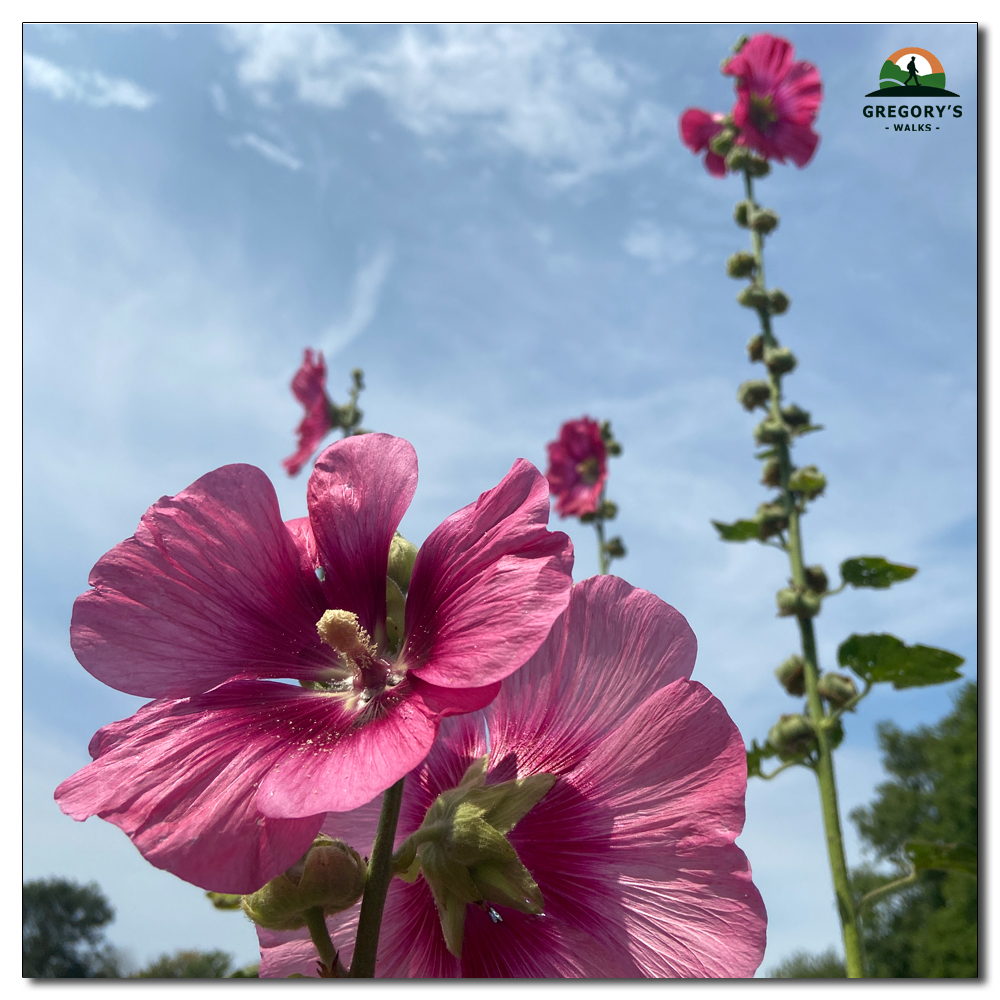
62 931
191 964
929 930
802 965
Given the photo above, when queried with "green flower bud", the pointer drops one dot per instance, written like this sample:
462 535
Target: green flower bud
736 159
464 855
615 548
757 166
791 675
778 301
402 555
816 579
753 297
753 393
741 264
608 510
794 415
805 603
740 42
779 360
330 875
588 517
792 736
741 213
755 348
808 481
770 431
722 142
613 448
763 220
771 519
771 473
838 689
224 900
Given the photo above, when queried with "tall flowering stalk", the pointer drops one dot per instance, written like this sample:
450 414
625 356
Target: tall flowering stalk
777 100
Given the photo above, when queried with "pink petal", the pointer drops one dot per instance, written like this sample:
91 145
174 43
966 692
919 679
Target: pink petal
487 585
182 784
698 128
612 648
715 164
208 588
764 60
358 493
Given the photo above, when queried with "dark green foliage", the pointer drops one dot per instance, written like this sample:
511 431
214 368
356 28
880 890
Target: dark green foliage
802 965
874 571
189 965
930 931
885 658
62 931
738 531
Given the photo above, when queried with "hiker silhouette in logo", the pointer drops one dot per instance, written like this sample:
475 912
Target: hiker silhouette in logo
911 68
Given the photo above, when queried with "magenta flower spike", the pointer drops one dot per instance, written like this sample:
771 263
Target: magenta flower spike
777 99
698 128
309 388
632 847
225 778
577 467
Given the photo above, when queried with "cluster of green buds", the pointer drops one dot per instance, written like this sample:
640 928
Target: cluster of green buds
348 417
607 510
463 853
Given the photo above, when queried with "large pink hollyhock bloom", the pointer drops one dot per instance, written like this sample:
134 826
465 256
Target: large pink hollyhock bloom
698 128
633 846
309 387
225 778
577 467
777 99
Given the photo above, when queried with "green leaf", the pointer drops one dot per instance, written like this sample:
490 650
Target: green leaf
755 755
738 531
874 571
927 856
878 658
224 900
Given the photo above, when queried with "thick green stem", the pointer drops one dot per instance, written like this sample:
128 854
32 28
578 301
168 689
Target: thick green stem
602 553
379 876
817 716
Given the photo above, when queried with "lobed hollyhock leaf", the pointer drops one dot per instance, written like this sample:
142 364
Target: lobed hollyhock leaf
876 658
738 531
874 571
756 755
928 856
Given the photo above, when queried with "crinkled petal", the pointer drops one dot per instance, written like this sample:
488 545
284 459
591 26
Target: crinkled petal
487 585
358 493
763 61
313 427
182 783
611 649
698 128
209 588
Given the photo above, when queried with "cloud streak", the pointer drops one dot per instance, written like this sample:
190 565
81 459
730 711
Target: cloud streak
269 151
89 87
365 291
540 90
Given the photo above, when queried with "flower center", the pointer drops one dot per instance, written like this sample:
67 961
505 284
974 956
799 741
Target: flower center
361 674
762 112
589 470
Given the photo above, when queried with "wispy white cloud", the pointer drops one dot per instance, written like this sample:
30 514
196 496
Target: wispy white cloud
541 90
365 291
219 100
269 151
648 242
84 86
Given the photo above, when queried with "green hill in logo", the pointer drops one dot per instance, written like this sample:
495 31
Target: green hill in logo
892 78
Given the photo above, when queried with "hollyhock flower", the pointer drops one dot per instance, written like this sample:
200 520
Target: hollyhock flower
577 467
632 847
698 128
777 99
309 387
225 778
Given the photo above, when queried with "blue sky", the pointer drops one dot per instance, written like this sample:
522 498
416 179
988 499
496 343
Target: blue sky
500 226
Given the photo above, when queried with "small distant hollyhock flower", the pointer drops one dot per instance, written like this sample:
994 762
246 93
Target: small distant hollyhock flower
225 778
630 842
577 467
777 99
309 388
698 129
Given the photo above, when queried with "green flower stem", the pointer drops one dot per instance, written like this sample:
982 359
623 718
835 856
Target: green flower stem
602 553
316 923
379 876
824 762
